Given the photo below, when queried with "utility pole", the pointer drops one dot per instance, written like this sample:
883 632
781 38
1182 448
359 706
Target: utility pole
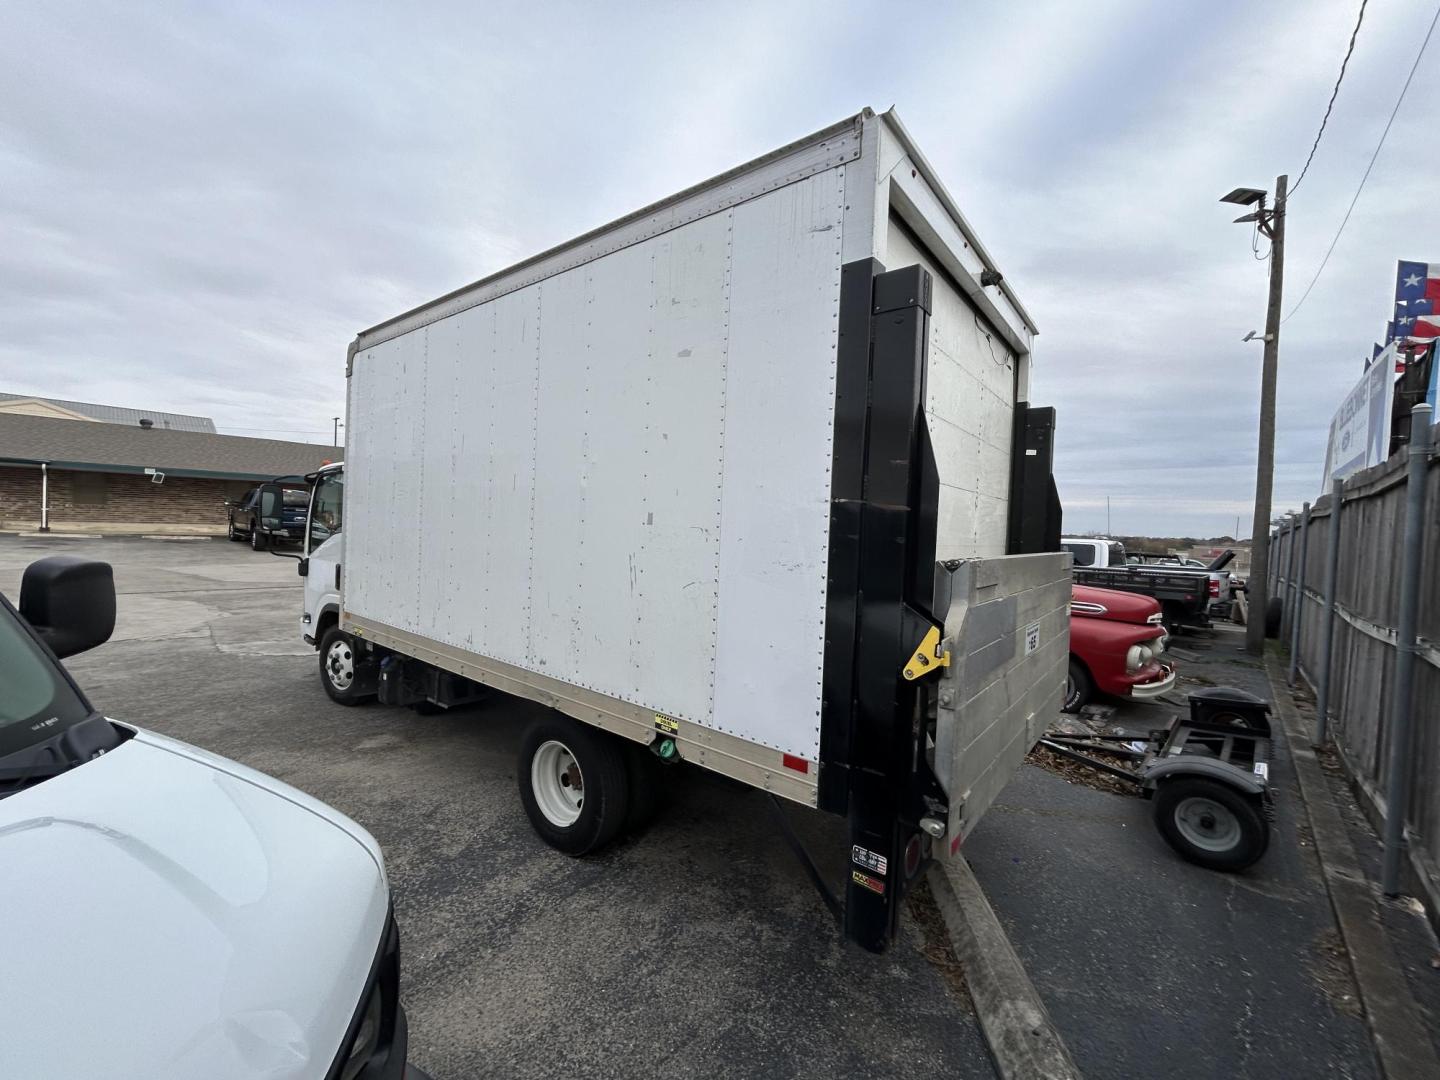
1107 517
335 436
1272 224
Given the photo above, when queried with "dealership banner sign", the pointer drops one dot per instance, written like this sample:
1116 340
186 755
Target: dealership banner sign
1360 431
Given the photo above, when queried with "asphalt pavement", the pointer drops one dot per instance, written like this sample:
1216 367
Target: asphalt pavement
698 948
1151 966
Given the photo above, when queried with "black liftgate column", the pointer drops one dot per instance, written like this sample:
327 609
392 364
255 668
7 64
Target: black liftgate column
882 566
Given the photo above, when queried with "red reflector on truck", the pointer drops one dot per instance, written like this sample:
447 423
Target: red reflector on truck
1214 588
799 764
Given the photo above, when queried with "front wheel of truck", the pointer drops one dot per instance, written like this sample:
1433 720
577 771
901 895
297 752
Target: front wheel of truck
573 784
340 668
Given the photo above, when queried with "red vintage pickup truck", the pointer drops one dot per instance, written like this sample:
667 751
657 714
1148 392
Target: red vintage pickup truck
1116 641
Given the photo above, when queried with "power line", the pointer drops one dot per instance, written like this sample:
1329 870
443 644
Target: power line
1333 94
1393 112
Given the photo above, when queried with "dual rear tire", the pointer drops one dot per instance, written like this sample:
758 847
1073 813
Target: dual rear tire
581 787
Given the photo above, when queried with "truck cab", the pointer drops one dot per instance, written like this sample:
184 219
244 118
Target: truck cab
323 548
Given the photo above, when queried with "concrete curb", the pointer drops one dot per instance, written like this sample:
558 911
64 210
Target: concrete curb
1022 1038
1396 1026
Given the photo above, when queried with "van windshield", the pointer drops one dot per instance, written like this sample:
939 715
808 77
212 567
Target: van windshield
37 702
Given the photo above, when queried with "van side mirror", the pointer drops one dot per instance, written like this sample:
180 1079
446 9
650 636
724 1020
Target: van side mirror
69 602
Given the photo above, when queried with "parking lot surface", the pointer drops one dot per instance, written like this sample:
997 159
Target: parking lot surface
1151 966
697 948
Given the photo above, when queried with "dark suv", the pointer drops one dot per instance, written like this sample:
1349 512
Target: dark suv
271 512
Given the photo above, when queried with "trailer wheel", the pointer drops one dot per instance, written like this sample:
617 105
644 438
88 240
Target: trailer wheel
573 784
340 664
1210 823
1079 688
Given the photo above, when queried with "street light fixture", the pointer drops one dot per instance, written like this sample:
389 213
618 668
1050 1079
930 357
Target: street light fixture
1245 196
1271 223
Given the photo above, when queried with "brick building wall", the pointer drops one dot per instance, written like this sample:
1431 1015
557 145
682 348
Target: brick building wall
116 502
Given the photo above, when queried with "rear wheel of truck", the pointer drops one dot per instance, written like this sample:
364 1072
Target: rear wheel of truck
574 784
1079 689
340 664
1211 823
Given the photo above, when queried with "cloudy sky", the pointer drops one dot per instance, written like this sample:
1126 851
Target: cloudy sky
201 204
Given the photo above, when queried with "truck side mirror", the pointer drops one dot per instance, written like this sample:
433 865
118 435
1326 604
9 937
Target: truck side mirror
271 499
69 602
304 568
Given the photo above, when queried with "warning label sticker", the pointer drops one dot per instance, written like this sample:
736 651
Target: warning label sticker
865 881
870 860
1032 638
668 724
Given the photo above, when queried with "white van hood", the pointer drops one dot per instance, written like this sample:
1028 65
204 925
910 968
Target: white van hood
168 913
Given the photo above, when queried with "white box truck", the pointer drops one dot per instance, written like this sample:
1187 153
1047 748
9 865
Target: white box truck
746 479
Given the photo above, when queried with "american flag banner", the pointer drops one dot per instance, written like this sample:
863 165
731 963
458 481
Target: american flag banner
1417 281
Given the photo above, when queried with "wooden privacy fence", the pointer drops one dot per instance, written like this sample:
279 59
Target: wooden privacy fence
1362 676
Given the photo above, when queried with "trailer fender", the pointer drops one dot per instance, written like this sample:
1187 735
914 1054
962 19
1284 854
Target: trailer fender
1188 765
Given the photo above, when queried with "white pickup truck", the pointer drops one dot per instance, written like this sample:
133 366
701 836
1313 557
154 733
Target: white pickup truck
1188 596
168 914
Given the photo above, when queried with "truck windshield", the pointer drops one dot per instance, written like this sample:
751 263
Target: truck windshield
36 701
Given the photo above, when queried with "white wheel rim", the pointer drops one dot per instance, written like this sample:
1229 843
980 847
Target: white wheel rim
340 664
558 785
1207 824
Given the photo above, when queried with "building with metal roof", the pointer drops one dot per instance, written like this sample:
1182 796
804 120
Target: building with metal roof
61 409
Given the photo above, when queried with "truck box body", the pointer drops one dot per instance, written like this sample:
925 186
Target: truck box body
632 477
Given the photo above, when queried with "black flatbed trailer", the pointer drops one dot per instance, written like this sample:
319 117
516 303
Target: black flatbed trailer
1184 594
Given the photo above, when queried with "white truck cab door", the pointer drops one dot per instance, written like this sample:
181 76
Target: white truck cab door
324 548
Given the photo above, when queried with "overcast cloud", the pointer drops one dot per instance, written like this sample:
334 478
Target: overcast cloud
202 204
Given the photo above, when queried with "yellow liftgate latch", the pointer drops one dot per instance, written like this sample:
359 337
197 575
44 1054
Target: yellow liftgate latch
928 656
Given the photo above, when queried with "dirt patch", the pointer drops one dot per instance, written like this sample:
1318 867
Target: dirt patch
1329 966
1073 772
1330 761
935 943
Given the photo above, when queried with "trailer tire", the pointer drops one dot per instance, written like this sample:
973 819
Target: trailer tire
573 784
1210 823
1079 687
340 665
